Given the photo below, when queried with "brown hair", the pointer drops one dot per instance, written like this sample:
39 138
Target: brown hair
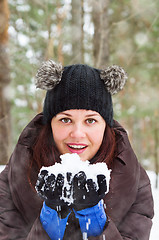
44 152
107 149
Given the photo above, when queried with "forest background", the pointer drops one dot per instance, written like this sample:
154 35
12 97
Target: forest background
96 32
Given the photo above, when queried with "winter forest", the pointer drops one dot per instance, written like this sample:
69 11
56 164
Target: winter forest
95 32
98 33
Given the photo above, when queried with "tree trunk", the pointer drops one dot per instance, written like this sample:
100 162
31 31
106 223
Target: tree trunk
101 32
60 18
76 31
5 127
82 32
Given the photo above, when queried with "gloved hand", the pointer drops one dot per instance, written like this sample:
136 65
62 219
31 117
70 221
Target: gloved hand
51 189
86 193
92 220
88 206
52 223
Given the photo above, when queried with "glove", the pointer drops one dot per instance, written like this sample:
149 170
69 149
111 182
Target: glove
51 189
86 193
92 220
52 223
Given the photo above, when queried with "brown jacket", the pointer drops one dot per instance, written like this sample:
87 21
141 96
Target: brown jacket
129 201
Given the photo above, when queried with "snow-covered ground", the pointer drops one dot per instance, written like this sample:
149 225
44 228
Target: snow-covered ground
155 228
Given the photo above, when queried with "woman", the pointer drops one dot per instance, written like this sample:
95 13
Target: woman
77 118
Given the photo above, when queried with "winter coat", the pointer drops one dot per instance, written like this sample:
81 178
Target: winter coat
129 202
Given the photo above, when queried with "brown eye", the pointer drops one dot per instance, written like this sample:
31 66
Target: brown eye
65 120
90 121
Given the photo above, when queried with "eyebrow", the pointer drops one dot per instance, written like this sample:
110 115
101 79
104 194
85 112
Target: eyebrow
88 115
67 114
92 115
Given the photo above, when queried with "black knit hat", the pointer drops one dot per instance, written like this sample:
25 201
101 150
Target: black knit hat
79 87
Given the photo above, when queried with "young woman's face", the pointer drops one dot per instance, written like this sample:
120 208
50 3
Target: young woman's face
78 131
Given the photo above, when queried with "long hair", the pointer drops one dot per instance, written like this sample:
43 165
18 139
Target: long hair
107 149
44 152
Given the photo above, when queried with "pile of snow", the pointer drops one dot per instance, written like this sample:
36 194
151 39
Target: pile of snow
71 163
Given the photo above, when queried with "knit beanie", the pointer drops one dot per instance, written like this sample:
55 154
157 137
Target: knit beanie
79 86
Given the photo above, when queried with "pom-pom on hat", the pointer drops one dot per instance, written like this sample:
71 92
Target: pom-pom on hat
79 86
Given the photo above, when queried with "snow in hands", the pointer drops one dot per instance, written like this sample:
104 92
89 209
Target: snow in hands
70 168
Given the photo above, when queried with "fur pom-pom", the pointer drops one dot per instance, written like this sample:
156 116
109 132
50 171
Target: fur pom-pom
114 78
48 75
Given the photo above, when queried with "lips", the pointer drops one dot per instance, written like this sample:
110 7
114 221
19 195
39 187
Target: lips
76 148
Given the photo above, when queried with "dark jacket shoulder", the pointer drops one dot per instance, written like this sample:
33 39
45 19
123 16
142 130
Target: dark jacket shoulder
124 150
31 131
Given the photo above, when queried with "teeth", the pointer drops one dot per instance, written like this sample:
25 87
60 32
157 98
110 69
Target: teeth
77 146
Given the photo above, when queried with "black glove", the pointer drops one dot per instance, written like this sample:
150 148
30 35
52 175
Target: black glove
86 193
51 189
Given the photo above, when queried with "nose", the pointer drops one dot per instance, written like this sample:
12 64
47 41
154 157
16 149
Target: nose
77 131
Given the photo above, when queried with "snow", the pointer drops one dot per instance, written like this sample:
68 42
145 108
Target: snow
154 231
71 163
1 168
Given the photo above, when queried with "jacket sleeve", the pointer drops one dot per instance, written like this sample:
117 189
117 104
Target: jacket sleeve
19 205
136 225
13 225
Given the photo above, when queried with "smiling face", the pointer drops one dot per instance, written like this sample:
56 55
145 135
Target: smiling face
78 131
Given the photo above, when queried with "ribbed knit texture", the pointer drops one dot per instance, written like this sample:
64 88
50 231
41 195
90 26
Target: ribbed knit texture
80 88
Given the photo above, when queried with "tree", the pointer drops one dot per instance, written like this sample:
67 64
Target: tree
98 33
77 31
101 32
5 127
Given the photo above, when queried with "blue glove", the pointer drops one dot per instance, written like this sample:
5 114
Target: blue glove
52 223
92 220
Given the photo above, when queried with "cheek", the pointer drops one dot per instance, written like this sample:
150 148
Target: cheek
97 136
97 140
59 134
